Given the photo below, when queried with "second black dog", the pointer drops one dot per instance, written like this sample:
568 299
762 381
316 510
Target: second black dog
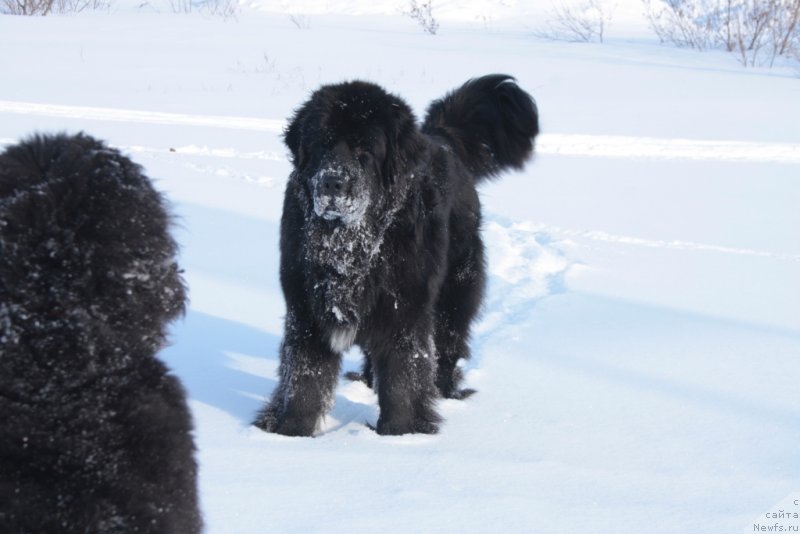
95 434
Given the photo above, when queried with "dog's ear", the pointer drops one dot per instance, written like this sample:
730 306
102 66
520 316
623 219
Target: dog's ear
402 140
293 133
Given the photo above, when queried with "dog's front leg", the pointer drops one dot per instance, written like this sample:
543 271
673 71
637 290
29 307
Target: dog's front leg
307 378
404 375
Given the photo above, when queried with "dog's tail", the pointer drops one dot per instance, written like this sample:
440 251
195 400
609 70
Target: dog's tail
489 122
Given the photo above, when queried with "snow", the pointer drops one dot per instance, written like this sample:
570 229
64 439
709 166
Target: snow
638 358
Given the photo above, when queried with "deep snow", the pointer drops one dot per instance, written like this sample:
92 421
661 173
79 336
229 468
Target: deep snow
638 359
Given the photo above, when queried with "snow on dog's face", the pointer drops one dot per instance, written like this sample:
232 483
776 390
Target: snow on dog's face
347 143
342 187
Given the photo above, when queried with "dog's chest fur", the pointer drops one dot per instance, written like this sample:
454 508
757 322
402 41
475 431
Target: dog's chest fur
341 260
345 264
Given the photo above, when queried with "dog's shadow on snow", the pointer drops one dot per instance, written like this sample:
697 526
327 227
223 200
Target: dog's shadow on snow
233 367
223 363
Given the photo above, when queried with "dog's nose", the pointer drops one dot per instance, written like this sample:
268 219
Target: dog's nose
332 184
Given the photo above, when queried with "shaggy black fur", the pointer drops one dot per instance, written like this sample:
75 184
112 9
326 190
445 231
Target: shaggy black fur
381 245
95 434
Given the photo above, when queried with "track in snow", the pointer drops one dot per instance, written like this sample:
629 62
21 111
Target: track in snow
147 117
560 144
596 235
604 146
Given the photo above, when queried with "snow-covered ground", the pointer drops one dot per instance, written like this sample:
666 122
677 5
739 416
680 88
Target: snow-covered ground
638 360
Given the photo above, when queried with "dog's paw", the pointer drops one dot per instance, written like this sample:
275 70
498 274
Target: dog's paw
355 376
398 428
265 420
450 391
270 421
292 426
288 427
461 394
447 384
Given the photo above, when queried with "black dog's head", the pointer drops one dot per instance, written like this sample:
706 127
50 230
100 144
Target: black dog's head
349 144
83 234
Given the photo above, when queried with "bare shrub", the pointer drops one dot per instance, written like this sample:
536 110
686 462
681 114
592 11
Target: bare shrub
760 31
584 22
301 21
785 32
227 9
682 23
749 24
47 7
422 12
27 7
180 6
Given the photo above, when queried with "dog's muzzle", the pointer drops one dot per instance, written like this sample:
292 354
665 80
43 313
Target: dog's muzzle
335 199
329 192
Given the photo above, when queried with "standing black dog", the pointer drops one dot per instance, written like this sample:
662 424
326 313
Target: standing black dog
381 245
95 434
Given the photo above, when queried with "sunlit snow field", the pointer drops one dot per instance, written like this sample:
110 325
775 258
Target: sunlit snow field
638 358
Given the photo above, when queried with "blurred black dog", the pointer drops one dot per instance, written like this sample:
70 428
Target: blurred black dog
95 434
381 245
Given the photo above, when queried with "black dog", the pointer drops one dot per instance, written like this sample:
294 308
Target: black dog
381 245
95 434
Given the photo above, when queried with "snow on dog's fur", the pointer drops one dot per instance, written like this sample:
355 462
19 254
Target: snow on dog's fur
381 246
95 434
